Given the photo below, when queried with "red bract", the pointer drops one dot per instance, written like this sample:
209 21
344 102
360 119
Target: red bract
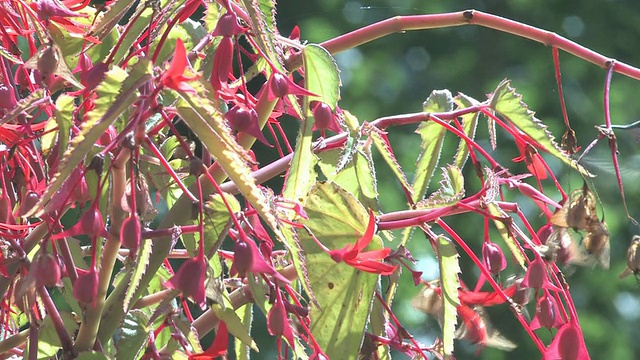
476 329
219 346
85 288
493 257
190 279
568 344
537 277
280 85
174 78
369 261
324 117
52 8
546 313
245 120
222 63
247 259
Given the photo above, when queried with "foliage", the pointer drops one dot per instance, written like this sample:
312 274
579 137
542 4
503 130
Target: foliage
138 213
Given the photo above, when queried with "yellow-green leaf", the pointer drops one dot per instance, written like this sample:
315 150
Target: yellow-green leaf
506 233
469 125
450 283
506 102
451 190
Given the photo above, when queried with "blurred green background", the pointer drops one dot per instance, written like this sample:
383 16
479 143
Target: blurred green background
395 74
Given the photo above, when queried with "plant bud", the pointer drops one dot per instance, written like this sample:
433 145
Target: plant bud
522 296
45 268
279 85
29 200
493 258
546 312
48 61
242 258
323 116
228 26
130 234
85 289
276 319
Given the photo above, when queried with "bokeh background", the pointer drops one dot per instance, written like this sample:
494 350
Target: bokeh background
395 74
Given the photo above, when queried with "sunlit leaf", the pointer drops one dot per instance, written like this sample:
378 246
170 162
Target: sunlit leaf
469 125
50 136
139 268
24 106
432 135
343 293
506 102
450 283
451 189
48 339
245 313
322 76
381 142
64 117
114 96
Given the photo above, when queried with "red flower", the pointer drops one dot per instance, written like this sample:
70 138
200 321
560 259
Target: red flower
219 346
537 277
248 259
245 120
85 288
278 321
493 258
568 344
324 118
174 77
280 85
368 261
190 279
90 223
546 313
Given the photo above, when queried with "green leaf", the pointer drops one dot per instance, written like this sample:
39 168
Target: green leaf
245 313
506 102
115 95
357 176
139 268
9 55
48 339
450 283
108 21
451 190
322 76
262 18
64 117
48 139
381 142
132 335
506 233
344 293
189 332
469 125
235 326
432 135
216 217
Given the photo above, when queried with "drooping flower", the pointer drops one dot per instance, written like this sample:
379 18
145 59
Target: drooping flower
248 259
245 120
46 270
131 234
324 117
368 261
280 85
175 78
493 257
546 313
228 26
537 277
85 288
533 160
278 321
568 344
222 63
90 223
190 279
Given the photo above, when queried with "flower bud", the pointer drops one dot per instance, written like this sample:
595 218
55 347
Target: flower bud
130 234
546 313
242 258
45 268
279 85
276 319
228 26
85 288
190 279
323 115
29 200
493 257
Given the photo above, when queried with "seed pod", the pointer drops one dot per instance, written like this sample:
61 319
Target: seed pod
633 258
